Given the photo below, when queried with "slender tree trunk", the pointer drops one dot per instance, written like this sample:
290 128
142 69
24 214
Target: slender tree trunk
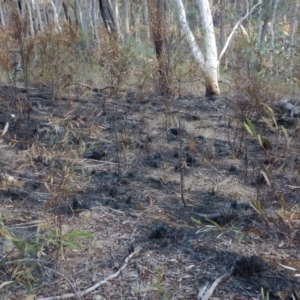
294 23
147 20
79 12
272 46
117 16
209 64
137 25
94 22
222 31
222 23
39 17
56 19
3 23
109 18
30 18
259 27
158 27
126 18
66 12
76 13
211 59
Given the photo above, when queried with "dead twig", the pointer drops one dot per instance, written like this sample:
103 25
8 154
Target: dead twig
205 294
94 287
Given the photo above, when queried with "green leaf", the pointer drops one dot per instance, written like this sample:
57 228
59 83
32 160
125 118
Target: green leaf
262 166
213 222
4 232
77 234
196 221
72 244
249 127
260 142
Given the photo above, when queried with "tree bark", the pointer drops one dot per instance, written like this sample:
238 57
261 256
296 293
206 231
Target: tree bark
157 18
3 23
30 18
94 22
56 19
209 64
108 16
40 21
126 18
294 23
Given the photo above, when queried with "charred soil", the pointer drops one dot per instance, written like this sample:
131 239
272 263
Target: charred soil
117 167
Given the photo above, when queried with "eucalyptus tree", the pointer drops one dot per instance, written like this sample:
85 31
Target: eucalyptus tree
209 63
109 17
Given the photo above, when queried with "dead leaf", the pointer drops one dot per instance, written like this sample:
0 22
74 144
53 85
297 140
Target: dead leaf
3 284
30 297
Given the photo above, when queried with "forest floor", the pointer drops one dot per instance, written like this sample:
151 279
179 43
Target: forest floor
113 166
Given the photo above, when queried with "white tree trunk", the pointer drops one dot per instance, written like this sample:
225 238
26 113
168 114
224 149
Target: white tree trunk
94 22
37 7
126 18
2 15
30 18
79 11
294 22
56 18
208 64
211 59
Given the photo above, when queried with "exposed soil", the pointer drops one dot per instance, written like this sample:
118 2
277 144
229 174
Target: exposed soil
111 165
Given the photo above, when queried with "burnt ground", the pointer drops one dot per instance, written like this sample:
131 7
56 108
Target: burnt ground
110 166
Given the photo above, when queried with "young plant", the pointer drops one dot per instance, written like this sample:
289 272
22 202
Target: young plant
271 151
61 241
57 47
116 60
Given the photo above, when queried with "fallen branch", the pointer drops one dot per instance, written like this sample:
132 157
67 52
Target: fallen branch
95 89
94 287
205 294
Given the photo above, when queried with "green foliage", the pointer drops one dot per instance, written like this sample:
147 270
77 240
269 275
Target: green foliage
158 287
27 250
58 240
272 150
264 296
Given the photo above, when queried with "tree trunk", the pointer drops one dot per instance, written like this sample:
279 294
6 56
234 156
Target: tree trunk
147 20
40 21
108 16
294 23
3 23
94 22
156 9
211 59
79 12
126 18
30 18
55 13
117 16
209 64
272 46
